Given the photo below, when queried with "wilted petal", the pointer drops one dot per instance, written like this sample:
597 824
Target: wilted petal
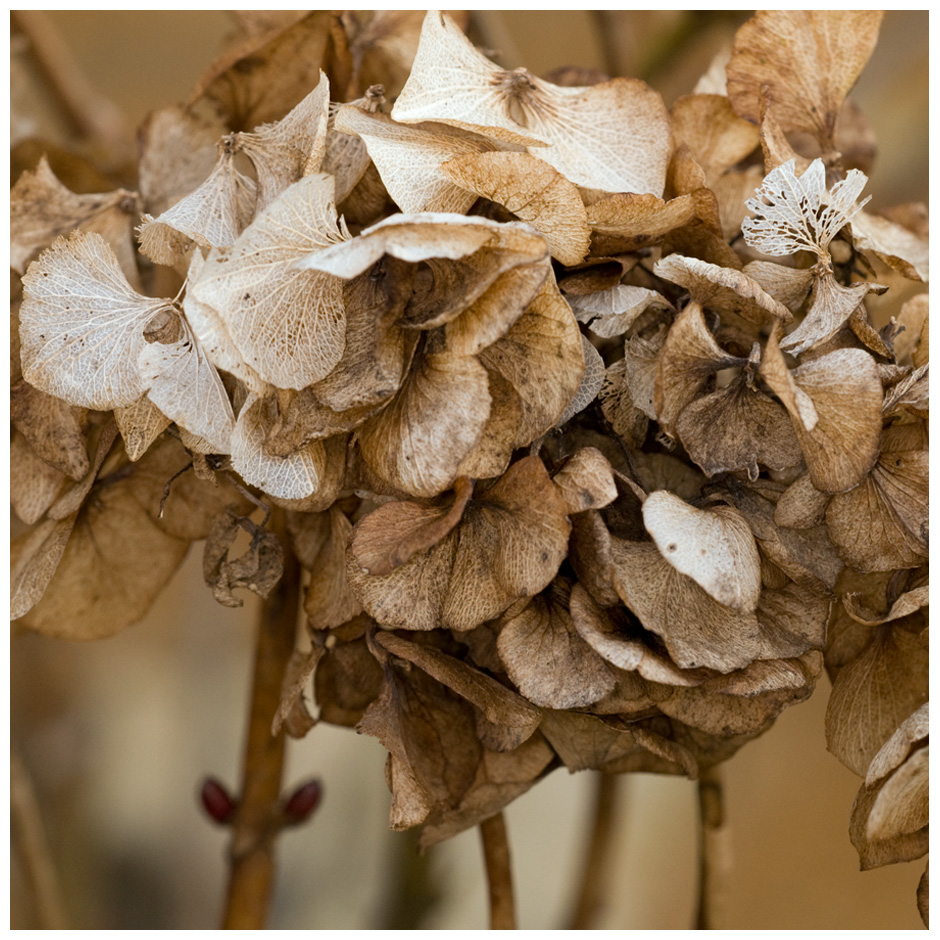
82 325
288 324
807 59
613 311
55 429
713 546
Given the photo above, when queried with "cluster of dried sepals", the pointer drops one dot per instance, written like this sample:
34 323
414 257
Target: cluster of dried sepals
528 544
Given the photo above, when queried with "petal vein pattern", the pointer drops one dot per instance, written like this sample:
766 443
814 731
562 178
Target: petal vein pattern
288 324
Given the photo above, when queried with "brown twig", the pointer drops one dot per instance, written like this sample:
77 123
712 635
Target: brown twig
257 820
90 114
714 849
498 873
592 894
29 839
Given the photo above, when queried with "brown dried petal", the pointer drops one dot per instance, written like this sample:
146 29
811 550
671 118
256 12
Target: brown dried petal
42 209
34 484
411 158
873 694
722 289
500 705
258 569
807 60
417 442
626 420
894 751
627 221
882 523
901 805
140 425
689 357
737 428
831 305
542 357
586 481
347 679
697 630
801 505
329 601
901 249
546 658
613 311
55 429
292 713
716 137
392 534
788 285
902 848
534 192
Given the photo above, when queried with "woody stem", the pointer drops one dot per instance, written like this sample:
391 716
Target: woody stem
498 873
592 893
255 827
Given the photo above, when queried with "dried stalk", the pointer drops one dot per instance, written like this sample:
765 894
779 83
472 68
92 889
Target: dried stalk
90 114
498 873
714 849
29 839
257 822
592 895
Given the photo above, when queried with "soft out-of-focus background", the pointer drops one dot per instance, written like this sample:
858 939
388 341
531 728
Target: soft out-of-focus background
118 734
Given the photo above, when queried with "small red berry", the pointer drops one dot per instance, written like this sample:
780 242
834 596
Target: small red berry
217 801
302 802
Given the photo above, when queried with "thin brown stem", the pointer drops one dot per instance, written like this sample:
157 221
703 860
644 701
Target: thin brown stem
32 847
592 895
498 873
256 823
90 114
714 849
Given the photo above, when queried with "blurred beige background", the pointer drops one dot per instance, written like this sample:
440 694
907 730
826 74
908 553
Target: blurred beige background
117 735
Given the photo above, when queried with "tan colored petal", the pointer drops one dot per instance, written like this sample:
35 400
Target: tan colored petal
82 325
512 541
901 805
411 158
874 854
790 286
903 250
626 420
286 150
534 192
42 209
34 484
261 77
419 439
614 311
697 630
627 221
894 751
546 658
140 425
500 705
211 216
808 60
542 357
291 477
873 694
55 429
722 289
328 601
738 428
395 532
830 307
586 481
689 357
801 506
287 323
716 137
882 523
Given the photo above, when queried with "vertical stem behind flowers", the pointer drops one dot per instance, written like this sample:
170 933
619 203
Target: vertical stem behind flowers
258 818
593 890
714 848
498 873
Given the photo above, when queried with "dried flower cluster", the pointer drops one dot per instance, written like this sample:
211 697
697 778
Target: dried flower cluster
586 439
